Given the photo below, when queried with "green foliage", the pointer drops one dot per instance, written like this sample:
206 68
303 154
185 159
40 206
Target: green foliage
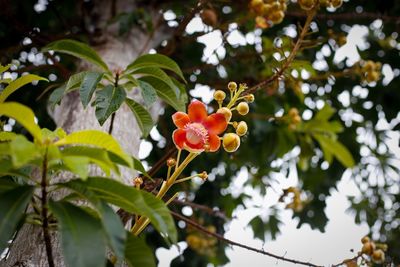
137 253
88 86
18 83
13 203
143 117
108 101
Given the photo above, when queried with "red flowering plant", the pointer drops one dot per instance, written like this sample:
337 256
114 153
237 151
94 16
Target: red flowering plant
198 132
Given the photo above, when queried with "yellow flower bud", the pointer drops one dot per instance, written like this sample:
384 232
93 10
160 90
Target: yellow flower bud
293 112
373 76
232 86
336 3
243 108
368 248
203 175
296 119
231 142
226 112
365 239
249 98
219 95
378 256
307 4
171 162
241 128
277 17
137 182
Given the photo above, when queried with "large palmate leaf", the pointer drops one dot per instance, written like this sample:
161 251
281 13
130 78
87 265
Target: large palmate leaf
77 49
82 236
88 86
18 83
155 60
108 100
170 95
130 199
137 253
13 203
23 115
143 117
98 139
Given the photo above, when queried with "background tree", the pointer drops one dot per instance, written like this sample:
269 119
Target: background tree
313 111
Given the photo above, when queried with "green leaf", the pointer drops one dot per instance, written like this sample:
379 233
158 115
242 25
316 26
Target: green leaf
155 73
155 60
22 151
142 116
137 165
77 164
74 82
18 83
325 113
82 236
114 229
77 49
258 228
108 100
23 115
12 206
183 97
131 200
336 148
97 139
137 253
4 68
88 86
165 92
149 94
6 184
56 96
7 136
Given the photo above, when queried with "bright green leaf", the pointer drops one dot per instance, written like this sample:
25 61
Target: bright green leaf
325 113
137 253
4 68
23 115
82 237
77 49
88 86
155 60
12 206
108 100
22 151
7 136
77 164
18 83
74 82
336 148
142 116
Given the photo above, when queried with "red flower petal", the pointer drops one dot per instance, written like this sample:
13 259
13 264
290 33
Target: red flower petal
214 142
194 148
215 123
180 119
179 137
197 111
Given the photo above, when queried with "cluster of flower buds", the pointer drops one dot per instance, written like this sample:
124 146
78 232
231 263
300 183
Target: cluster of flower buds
268 12
371 71
375 251
202 244
331 3
293 118
296 204
231 141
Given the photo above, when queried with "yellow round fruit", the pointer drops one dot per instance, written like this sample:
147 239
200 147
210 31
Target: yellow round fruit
365 239
219 95
241 128
243 108
378 256
232 86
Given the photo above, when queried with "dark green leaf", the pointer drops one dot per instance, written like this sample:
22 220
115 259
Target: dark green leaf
77 49
149 94
12 206
74 82
56 96
137 253
88 86
108 100
143 117
82 236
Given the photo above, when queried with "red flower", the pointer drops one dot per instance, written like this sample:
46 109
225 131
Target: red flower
196 129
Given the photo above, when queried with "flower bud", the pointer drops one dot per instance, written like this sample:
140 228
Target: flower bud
231 142
203 175
243 108
277 16
241 128
171 162
232 86
336 3
219 95
137 182
296 119
307 4
368 248
226 112
365 239
378 256
249 98
293 112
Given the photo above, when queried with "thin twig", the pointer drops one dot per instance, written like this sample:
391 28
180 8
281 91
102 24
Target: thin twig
220 237
290 58
348 16
45 225
213 212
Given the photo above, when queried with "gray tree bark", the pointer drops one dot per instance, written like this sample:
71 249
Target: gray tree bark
28 248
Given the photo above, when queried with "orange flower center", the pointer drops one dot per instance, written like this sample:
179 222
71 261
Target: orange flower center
196 133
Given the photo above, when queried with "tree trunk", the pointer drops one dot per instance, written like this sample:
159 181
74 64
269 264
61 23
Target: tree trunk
28 247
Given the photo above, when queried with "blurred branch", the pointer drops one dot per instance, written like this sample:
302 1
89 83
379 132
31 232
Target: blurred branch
221 238
348 16
213 212
290 58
